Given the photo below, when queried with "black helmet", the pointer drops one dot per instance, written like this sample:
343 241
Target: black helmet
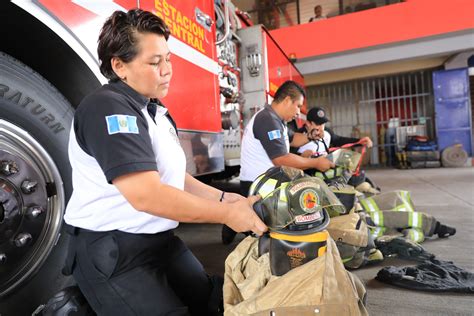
293 203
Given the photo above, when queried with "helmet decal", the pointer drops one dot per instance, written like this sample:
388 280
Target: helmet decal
301 185
307 218
296 257
309 201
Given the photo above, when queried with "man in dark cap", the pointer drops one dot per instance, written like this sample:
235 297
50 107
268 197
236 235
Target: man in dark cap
323 137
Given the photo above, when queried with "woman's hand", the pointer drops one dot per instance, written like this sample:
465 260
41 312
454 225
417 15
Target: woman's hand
241 217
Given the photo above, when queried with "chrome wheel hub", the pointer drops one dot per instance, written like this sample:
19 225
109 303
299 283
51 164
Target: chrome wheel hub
31 206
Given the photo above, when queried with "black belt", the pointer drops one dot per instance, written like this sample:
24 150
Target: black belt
74 231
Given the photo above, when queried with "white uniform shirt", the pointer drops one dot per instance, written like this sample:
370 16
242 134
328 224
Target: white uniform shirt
113 134
317 146
266 137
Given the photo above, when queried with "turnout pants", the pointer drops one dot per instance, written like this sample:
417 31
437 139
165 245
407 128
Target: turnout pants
138 274
412 225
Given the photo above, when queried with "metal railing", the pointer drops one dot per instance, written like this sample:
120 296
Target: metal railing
275 14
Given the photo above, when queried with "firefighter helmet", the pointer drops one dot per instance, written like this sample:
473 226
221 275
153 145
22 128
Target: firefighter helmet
273 178
293 203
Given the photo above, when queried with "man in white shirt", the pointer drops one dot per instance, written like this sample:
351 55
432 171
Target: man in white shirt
323 137
318 14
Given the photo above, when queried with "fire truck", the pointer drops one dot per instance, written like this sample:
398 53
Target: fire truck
225 69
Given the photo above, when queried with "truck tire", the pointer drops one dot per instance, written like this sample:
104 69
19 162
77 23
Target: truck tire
35 183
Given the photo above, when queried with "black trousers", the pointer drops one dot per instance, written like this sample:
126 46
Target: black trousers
139 274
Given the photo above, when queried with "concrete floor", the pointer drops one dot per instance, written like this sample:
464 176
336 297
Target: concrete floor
448 194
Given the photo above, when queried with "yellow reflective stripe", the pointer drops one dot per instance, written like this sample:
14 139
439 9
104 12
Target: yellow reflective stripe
364 204
377 231
415 235
322 250
415 219
419 236
377 218
283 197
407 207
316 237
369 205
405 195
319 175
346 259
330 173
401 208
372 205
254 184
267 187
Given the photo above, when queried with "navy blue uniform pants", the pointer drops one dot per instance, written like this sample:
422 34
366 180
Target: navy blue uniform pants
139 274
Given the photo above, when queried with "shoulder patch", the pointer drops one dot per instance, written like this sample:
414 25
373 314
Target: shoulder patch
119 123
275 134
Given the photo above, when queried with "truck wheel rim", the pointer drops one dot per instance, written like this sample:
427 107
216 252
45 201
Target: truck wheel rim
31 206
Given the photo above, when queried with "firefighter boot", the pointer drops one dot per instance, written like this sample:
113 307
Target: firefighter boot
444 231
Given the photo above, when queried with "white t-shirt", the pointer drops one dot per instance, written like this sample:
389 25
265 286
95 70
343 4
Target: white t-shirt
113 134
317 146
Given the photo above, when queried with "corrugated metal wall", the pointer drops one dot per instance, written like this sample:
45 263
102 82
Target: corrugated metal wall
365 107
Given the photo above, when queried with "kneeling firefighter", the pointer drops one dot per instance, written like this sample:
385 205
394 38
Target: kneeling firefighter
295 269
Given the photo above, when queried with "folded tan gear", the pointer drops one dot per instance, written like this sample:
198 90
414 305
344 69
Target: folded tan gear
321 286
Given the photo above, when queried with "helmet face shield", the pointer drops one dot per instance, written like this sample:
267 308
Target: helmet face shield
346 158
298 207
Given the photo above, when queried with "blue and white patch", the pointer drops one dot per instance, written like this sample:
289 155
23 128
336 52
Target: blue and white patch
120 123
274 134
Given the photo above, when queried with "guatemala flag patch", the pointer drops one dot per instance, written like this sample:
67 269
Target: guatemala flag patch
119 123
274 134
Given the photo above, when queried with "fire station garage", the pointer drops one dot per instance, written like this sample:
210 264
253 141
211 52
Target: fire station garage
398 72
386 230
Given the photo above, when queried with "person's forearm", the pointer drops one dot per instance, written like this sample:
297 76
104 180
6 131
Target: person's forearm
196 187
145 192
295 161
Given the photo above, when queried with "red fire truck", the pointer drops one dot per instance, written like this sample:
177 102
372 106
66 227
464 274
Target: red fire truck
225 70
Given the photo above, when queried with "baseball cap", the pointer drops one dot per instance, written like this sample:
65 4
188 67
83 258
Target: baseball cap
317 115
